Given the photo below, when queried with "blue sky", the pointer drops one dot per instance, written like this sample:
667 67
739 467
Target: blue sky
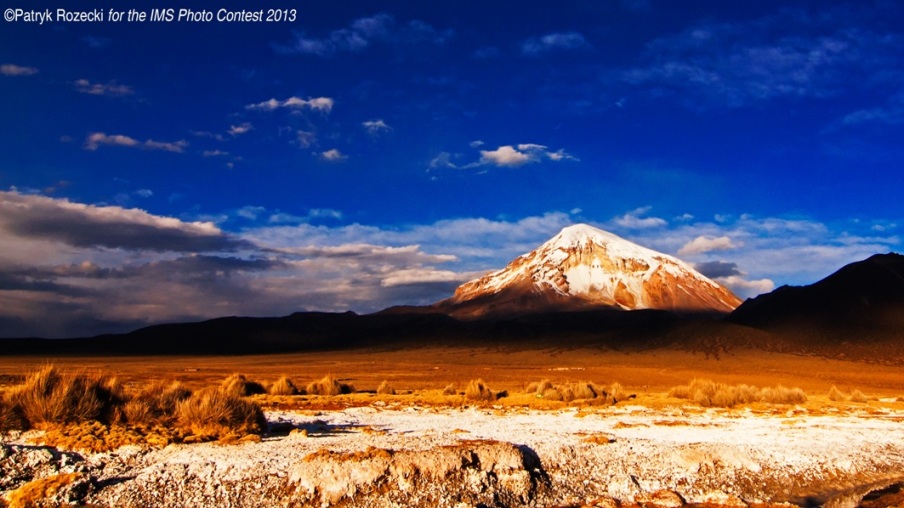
370 154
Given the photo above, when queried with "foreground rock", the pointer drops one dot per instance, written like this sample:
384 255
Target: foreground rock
374 457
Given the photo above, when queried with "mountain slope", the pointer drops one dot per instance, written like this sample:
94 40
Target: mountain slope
584 267
862 300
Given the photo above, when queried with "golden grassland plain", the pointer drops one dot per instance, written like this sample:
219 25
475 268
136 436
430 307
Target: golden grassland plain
503 368
97 403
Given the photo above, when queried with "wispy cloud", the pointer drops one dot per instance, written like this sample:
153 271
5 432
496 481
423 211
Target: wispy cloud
242 128
703 244
564 41
364 33
17 70
322 104
376 127
111 89
333 155
443 160
97 139
788 54
306 138
635 219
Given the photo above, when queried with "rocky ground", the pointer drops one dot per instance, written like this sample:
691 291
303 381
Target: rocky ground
383 456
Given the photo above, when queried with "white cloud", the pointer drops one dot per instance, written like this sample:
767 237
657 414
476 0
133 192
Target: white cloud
240 129
421 275
111 89
96 139
376 127
634 219
322 104
554 42
17 70
703 244
746 288
144 193
476 143
526 153
214 153
333 155
505 156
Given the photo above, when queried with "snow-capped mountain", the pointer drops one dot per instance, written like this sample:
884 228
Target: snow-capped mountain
585 267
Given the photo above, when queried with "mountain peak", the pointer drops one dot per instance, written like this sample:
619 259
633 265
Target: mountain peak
585 267
579 234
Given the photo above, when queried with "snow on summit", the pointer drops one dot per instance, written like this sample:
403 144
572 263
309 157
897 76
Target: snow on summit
585 267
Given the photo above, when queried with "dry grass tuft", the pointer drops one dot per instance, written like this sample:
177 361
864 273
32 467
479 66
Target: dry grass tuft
48 397
385 388
155 403
11 417
329 385
858 396
450 389
708 393
782 395
551 394
477 389
217 414
283 386
240 386
836 395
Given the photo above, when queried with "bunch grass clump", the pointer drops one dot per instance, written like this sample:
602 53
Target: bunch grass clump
155 403
49 397
836 395
212 413
329 385
385 388
283 386
240 386
477 389
708 393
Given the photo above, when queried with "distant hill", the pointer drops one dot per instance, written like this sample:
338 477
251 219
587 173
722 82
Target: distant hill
857 313
866 297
